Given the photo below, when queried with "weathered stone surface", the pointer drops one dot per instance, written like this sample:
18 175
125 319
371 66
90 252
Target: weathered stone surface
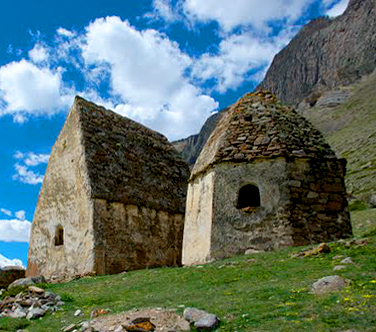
113 198
298 198
328 284
30 281
10 274
201 319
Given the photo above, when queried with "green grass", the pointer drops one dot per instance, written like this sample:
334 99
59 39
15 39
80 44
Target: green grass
264 292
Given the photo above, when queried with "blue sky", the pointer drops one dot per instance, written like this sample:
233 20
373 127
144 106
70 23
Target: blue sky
167 64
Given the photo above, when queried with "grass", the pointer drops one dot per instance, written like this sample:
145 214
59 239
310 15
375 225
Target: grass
264 292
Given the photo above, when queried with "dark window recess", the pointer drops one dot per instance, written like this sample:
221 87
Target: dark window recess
249 196
59 236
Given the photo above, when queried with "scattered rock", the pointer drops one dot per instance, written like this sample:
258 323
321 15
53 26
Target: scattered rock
209 322
328 284
98 312
28 281
322 248
253 251
338 257
339 267
78 312
347 260
145 326
36 290
31 304
36 313
69 328
200 318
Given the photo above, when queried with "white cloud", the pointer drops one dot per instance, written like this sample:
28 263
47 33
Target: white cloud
20 215
164 10
6 212
24 175
256 13
338 9
64 32
24 87
33 159
147 71
38 54
15 230
238 58
9 262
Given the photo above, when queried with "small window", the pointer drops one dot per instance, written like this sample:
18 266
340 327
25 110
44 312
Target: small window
248 198
59 236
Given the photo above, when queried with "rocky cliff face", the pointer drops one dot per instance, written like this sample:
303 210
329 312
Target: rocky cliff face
325 54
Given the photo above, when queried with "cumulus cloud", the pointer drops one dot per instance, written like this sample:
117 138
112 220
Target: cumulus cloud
256 13
31 158
147 70
338 9
15 230
238 58
6 212
9 262
24 175
38 54
25 87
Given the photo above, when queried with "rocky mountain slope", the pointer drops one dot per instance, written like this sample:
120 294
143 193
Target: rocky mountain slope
325 54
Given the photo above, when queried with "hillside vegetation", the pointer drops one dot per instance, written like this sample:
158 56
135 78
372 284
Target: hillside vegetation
262 292
350 129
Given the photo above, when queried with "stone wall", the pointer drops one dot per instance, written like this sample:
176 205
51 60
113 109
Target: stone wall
267 226
318 202
130 237
198 220
64 201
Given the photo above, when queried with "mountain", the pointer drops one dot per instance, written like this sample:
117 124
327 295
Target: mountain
191 146
325 54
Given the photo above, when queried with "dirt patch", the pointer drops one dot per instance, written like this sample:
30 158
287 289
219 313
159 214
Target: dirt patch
165 320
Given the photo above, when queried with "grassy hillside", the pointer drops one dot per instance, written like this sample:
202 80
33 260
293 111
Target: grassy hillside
351 130
264 292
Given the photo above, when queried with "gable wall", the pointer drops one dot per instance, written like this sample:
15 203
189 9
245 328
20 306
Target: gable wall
64 200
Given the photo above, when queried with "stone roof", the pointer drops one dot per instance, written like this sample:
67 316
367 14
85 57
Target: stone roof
259 126
129 163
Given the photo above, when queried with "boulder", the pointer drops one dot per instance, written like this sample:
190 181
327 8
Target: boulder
328 284
201 319
31 281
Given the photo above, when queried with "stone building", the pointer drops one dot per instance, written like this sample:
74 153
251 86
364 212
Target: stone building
113 198
265 179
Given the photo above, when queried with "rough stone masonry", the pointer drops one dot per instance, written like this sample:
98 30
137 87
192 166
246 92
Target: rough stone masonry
264 179
113 198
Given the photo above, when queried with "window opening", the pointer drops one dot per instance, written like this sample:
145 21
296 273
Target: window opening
59 236
248 198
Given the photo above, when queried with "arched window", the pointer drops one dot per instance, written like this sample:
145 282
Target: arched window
59 236
248 197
